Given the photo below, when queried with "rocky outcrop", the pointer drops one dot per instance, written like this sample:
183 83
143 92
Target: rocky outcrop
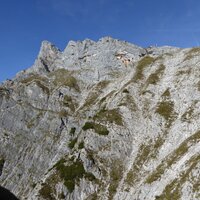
103 120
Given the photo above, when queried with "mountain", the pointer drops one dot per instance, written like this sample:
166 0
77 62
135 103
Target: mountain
103 120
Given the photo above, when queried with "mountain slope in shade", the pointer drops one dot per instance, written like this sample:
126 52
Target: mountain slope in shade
103 120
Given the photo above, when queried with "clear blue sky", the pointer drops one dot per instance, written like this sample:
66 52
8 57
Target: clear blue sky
25 23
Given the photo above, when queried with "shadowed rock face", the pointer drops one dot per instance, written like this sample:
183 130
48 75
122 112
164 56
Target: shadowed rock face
103 120
6 194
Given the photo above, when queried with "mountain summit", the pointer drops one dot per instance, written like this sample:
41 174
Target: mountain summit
103 120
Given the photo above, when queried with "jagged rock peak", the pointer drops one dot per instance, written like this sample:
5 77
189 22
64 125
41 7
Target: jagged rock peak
45 60
47 48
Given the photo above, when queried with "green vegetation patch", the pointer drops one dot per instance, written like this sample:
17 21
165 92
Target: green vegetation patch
4 92
67 99
155 77
94 94
63 113
157 144
170 192
2 161
186 117
191 53
116 174
166 94
195 181
34 77
102 84
72 143
61 195
46 192
166 108
93 196
39 81
81 145
43 87
112 116
68 102
91 99
88 125
33 121
173 190
109 95
72 131
129 102
30 124
193 163
184 72
173 157
63 77
198 86
143 154
71 174
142 64
98 128
125 91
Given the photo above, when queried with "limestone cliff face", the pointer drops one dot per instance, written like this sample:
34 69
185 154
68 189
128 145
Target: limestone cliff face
103 120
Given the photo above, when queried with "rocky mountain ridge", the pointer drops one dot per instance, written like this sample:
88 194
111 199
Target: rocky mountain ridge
103 120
